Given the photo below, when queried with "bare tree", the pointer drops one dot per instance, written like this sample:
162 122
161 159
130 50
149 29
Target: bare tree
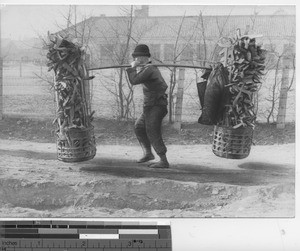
221 28
273 92
118 51
203 36
275 64
118 40
79 32
180 45
252 28
253 18
288 63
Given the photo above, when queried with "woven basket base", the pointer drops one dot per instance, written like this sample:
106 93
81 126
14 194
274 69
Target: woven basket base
232 143
81 145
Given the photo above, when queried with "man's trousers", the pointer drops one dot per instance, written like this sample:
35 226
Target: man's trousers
148 128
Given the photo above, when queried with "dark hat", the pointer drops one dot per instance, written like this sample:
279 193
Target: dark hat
141 50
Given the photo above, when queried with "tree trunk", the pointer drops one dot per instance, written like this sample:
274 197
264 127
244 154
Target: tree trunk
124 111
179 100
274 87
87 83
172 83
120 87
271 112
283 94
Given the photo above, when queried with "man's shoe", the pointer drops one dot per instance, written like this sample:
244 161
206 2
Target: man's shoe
160 164
146 158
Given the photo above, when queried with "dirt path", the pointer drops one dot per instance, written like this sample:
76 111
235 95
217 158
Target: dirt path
198 184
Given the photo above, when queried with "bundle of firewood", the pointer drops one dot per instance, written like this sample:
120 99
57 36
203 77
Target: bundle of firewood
245 61
66 59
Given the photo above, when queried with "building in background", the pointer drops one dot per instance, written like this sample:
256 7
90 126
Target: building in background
178 38
188 39
172 39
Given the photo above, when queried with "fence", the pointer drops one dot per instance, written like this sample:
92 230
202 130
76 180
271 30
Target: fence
29 96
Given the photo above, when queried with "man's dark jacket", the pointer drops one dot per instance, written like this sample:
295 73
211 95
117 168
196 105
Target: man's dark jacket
154 86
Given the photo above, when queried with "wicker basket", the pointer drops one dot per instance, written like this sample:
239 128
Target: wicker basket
232 143
80 145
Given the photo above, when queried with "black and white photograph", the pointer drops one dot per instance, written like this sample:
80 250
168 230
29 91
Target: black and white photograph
149 111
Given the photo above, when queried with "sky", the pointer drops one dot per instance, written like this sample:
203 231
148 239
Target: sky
24 20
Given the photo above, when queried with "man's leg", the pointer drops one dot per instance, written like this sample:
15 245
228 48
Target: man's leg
153 121
140 132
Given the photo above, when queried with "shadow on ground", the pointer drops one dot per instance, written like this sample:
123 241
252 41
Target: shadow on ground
247 173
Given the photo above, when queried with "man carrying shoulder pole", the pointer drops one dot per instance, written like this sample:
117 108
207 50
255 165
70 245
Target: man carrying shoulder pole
148 126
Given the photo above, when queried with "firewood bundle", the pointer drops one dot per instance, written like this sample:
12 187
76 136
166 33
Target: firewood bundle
66 59
245 62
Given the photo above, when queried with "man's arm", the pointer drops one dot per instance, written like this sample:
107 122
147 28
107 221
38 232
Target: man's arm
141 77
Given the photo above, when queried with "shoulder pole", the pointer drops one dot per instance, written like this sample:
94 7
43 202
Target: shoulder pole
158 65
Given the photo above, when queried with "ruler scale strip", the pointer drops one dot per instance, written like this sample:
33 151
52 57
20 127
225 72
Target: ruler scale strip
84 236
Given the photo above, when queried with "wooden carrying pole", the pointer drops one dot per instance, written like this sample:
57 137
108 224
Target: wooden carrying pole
158 65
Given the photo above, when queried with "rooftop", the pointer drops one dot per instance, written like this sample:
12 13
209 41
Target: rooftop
166 27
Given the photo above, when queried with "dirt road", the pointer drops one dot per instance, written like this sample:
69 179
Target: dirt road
198 184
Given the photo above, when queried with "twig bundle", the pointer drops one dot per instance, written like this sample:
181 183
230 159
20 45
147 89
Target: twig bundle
246 63
66 59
